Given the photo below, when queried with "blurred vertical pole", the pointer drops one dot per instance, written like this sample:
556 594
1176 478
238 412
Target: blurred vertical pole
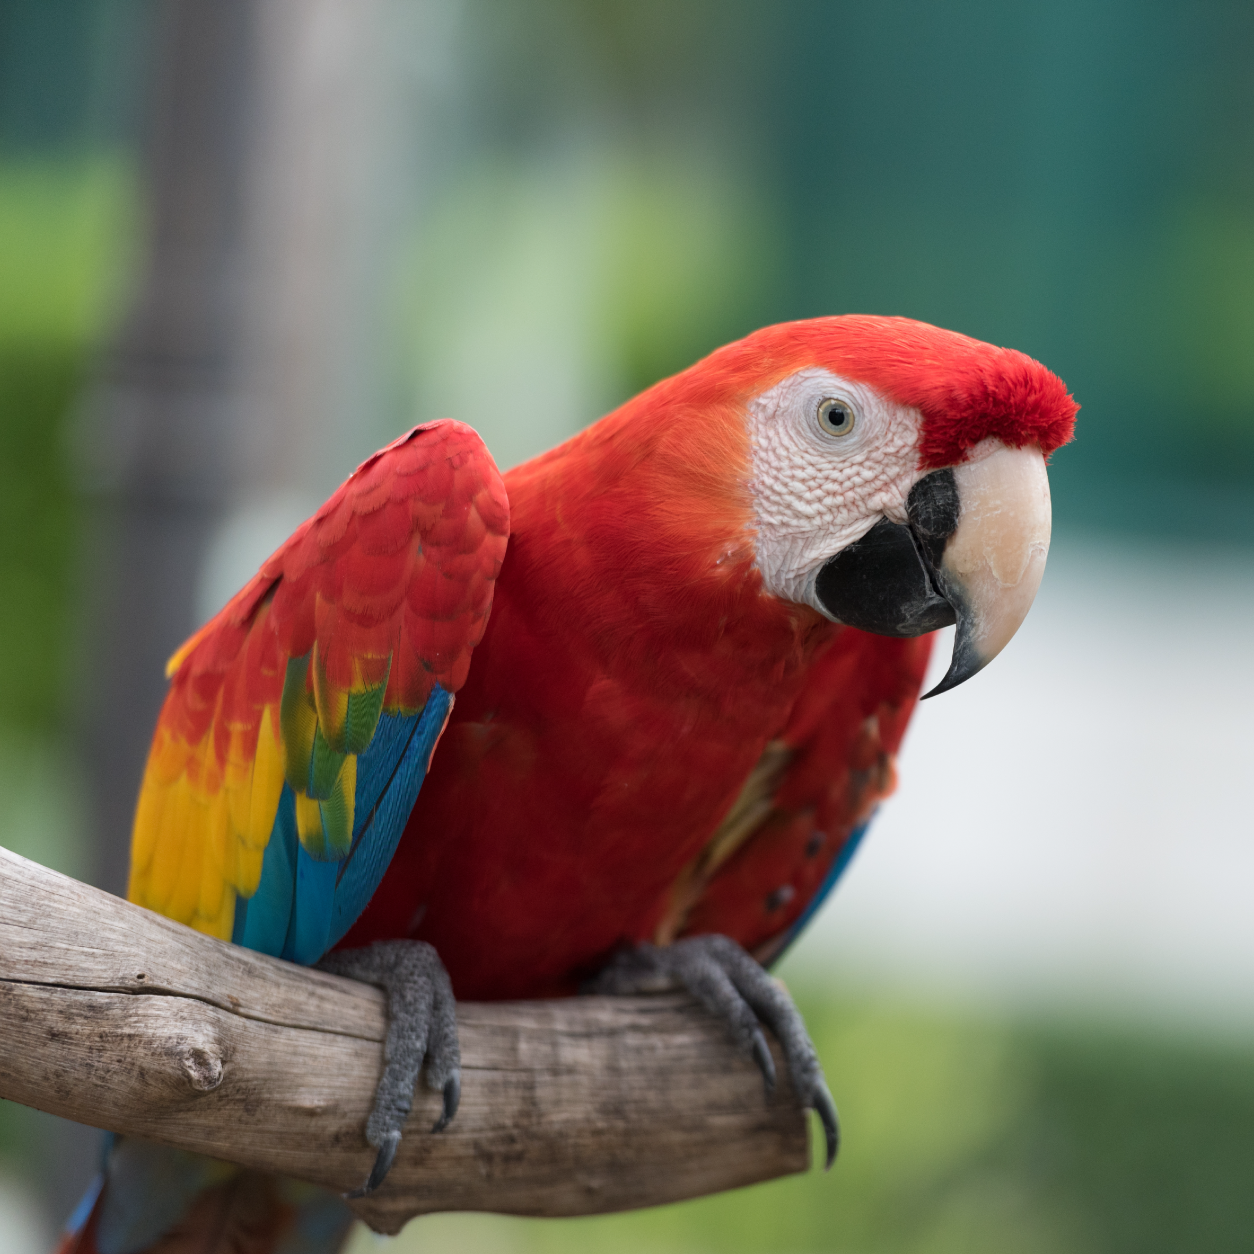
161 417
231 378
312 182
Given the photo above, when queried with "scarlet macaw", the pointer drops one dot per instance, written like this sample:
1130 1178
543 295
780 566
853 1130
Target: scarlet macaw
692 669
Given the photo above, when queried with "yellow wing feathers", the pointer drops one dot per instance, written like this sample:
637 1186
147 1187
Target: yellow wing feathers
206 811
202 824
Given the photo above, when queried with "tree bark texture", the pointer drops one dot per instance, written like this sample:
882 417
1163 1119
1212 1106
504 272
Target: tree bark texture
116 1017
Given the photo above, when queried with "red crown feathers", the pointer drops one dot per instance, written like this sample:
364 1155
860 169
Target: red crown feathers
966 390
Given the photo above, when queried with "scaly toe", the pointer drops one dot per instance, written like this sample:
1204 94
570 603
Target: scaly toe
735 988
421 1031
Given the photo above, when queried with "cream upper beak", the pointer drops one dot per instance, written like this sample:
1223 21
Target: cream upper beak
993 563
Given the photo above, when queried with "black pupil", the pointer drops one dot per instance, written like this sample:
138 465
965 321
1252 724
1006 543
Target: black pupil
838 416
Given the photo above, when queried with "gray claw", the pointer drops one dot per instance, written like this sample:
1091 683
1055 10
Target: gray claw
825 1108
452 1098
734 987
762 1056
382 1165
421 1033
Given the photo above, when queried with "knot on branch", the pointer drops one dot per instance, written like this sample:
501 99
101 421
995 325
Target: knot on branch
203 1066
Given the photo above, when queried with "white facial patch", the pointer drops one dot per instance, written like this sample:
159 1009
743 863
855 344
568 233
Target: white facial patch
814 492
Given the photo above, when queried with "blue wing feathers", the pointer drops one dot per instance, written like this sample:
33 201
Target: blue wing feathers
261 921
382 824
302 907
312 909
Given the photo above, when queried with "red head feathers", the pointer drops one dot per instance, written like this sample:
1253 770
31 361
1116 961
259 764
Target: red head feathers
966 390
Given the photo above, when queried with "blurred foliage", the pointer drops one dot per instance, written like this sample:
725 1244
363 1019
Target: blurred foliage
64 226
69 73
566 286
965 1135
38 535
67 223
65 230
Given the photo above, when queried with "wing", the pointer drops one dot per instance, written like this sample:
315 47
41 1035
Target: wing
300 721
801 813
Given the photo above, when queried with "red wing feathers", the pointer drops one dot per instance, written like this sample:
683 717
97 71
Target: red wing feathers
834 763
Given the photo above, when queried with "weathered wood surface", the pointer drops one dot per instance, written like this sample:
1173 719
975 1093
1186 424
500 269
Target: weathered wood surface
116 1017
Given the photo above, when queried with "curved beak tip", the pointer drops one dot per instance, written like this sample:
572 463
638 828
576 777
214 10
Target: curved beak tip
958 673
965 661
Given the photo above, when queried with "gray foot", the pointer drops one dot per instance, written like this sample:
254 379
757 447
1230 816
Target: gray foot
422 1025
735 988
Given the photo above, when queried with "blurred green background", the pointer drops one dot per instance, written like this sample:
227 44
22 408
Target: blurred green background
569 199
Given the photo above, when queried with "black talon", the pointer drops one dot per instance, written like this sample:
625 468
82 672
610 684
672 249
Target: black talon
382 1165
762 1056
825 1108
452 1097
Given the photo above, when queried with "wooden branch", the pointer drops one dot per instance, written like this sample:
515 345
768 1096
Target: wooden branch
116 1017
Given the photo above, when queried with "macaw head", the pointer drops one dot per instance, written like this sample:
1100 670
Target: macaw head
897 475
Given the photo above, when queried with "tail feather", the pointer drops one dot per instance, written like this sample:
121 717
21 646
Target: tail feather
159 1201
242 1216
79 1236
74 1239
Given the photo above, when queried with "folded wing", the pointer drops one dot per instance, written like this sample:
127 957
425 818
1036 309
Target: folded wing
301 720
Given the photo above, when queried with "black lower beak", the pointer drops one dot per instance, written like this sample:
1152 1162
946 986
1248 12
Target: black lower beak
888 582
882 584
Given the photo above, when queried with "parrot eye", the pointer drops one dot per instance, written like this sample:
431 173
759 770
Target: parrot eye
835 417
